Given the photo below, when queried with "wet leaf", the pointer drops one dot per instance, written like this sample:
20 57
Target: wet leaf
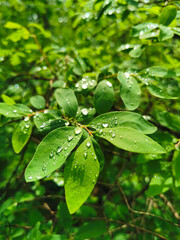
16 110
52 152
103 96
168 15
81 173
176 165
67 100
130 91
38 102
130 140
126 119
21 135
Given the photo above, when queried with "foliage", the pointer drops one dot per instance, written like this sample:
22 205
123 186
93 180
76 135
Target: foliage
89 117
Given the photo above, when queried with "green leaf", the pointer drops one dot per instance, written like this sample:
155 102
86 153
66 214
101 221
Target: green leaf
176 165
167 119
38 102
7 99
45 122
176 30
103 8
142 29
103 96
67 100
126 119
81 173
85 85
130 91
168 15
159 184
99 153
91 230
52 152
130 140
13 25
21 135
165 33
46 33
84 115
159 92
136 51
127 46
157 71
16 110
41 118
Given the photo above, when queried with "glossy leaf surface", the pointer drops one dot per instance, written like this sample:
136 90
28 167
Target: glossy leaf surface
126 119
103 96
67 100
38 102
81 173
52 152
21 135
168 15
130 91
16 110
130 140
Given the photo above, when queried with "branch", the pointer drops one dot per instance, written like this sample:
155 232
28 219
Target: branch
140 212
171 207
14 172
123 226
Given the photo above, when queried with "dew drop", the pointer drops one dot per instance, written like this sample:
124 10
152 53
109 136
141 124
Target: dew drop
78 130
105 125
44 168
88 144
100 131
67 123
43 125
109 84
30 177
84 85
84 111
59 149
51 154
120 137
70 138
113 135
15 111
85 155
127 74
26 119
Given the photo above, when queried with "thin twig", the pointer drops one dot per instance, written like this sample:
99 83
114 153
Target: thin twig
15 171
140 212
170 206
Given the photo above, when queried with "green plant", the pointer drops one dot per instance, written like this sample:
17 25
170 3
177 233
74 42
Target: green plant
93 109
